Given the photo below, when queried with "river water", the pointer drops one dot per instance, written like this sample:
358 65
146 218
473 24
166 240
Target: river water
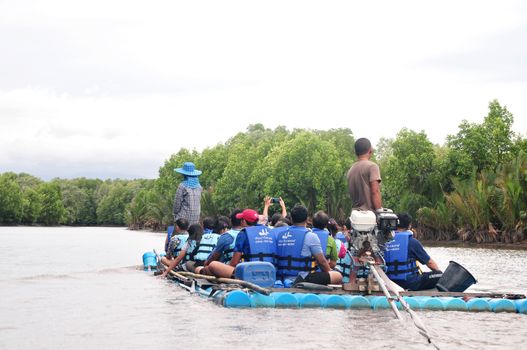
79 288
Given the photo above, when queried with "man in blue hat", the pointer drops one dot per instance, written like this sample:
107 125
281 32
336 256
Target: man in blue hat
188 195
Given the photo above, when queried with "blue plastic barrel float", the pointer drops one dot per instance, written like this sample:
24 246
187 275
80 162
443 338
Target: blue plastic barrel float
260 300
521 306
285 300
383 303
237 298
356 302
429 303
502 305
309 300
454 304
412 302
478 305
149 260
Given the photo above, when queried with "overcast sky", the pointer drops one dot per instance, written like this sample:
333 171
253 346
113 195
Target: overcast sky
112 88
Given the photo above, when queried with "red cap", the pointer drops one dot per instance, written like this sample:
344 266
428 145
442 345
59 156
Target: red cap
248 215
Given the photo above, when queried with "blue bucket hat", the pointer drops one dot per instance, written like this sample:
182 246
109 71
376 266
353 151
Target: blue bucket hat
188 169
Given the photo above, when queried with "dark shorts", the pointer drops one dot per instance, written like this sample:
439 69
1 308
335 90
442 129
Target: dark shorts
426 280
318 278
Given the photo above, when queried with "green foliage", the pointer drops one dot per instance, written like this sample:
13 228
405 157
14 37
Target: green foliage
472 188
409 171
52 211
111 208
32 206
304 170
482 146
11 202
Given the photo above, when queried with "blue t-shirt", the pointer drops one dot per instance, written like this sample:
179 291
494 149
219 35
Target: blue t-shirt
417 252
223 243
311 245
241 245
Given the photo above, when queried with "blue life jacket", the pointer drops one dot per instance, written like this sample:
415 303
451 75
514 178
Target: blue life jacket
262 244
289 243
192 249
323 235
344 265
227 253
400 267
206 245
182 240
170 230
341 237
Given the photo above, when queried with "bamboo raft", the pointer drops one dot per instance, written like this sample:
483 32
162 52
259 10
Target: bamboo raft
234 293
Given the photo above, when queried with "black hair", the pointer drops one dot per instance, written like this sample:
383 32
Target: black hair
404 220
348 223
299 214
234 221
208 223
195 231
320 220
281 223
251 223
182 223
275 218
362 146
222 223
333 228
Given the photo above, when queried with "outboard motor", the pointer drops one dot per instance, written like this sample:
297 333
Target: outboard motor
370 232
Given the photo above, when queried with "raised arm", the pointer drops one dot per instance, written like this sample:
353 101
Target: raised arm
284 210
267 203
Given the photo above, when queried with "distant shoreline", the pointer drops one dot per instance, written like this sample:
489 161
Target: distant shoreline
462 244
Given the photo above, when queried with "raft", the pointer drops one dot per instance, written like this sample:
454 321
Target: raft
246 294
293 298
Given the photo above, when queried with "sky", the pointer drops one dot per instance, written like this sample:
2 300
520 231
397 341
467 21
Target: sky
110 89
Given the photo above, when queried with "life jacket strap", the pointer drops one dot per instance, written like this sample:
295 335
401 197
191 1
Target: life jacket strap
260 256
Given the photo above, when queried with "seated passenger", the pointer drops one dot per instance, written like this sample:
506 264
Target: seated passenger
208 225
207 243
401 256
320 223
333 229
225 247
253 243
188 250
177 240
298 248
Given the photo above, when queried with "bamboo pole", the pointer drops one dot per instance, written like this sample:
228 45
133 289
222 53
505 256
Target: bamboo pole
242 283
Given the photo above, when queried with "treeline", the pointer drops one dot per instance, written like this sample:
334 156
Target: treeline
25 199
471 188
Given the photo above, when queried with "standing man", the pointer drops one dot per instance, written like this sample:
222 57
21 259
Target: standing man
188 194
364 178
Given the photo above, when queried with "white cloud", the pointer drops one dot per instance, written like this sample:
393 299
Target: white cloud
111 88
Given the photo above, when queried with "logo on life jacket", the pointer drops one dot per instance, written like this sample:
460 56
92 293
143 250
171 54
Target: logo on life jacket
263 232
287 235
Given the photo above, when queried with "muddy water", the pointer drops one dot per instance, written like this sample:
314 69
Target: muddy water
78 288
